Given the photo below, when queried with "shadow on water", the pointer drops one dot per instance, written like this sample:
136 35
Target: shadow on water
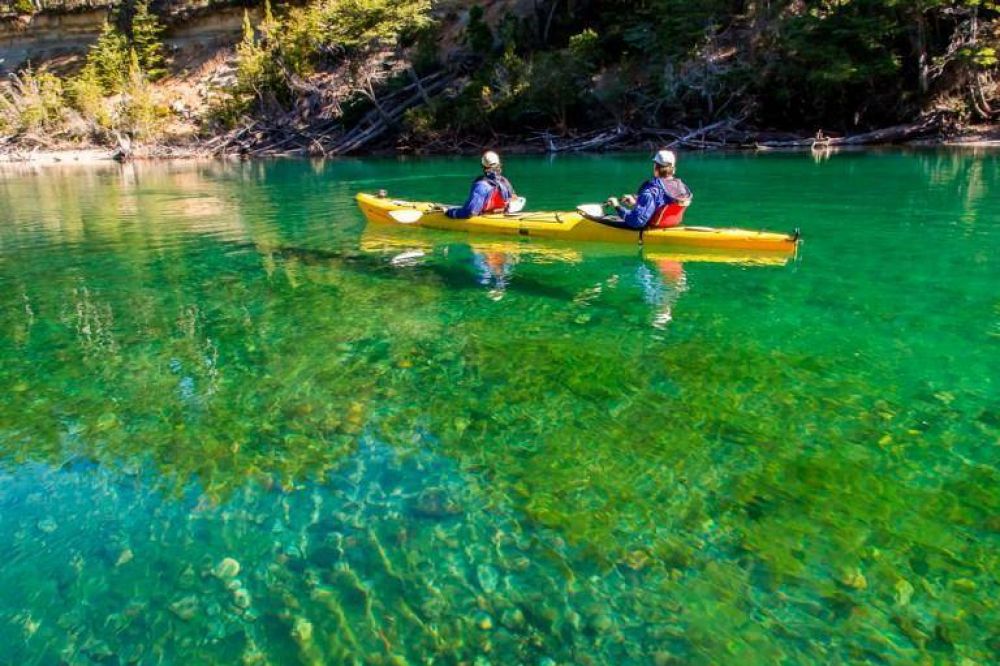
449 275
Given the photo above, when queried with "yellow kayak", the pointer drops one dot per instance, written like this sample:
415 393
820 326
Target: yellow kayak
396 239
575 227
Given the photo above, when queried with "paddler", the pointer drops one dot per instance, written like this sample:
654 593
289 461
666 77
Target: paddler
661 200
491 192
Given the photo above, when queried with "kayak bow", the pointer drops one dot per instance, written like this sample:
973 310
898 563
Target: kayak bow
572 226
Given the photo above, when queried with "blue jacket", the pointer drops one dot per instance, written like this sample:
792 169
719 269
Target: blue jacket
652 195
482 188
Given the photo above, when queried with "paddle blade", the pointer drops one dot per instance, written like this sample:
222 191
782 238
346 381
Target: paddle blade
516 205
406 215
591 210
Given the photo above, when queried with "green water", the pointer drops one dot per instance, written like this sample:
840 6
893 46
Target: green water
416 450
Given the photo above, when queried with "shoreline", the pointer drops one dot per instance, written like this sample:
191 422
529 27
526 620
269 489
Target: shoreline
103 156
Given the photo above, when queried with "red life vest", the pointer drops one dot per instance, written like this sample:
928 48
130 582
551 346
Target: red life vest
671 214
667 216
496 203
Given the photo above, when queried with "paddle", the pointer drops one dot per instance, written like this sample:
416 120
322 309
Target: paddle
591 210
516 205
406 215
412 215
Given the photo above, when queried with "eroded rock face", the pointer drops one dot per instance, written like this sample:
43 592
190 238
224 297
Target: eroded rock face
58 38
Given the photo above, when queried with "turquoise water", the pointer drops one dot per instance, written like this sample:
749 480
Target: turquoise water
239 426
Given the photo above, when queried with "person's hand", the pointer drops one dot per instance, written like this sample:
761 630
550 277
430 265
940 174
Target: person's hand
628 200
613 202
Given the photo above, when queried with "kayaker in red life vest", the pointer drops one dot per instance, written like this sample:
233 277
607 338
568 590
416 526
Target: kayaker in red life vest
490 193
661 201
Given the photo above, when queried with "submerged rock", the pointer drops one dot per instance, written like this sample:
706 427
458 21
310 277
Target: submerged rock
513 619
188 578
97 650
302 631
904 592
126 556
964 585
487 577
636 559
854 579
185 608
241 598
436 503
601 624
47 525
226 569
664 658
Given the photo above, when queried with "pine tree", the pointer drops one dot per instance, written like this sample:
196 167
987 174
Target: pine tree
109 58
146 31
269 26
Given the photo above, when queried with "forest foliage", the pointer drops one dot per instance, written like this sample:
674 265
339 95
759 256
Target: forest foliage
579 64
846 64
563 67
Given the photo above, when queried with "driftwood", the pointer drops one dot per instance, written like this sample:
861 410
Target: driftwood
894 134
594 141
297 132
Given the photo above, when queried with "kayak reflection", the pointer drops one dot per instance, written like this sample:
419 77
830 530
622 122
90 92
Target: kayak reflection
662 282
657 277
495 270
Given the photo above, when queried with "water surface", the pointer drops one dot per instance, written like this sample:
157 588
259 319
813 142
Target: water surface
240 426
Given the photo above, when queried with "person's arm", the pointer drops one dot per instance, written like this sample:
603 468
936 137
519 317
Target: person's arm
474 206
641 213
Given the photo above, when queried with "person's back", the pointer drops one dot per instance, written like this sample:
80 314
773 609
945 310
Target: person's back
660 201
491 192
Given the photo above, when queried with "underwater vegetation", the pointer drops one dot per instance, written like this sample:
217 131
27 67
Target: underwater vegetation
229 434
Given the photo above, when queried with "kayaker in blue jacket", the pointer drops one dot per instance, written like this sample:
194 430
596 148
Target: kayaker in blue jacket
661 200
490 193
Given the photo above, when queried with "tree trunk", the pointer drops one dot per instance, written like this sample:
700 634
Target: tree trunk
548 21
420 86
920 47
369 92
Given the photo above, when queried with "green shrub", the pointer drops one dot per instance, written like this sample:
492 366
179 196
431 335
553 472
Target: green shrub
24 7
327 30
140 113
420 124
34 102
86 94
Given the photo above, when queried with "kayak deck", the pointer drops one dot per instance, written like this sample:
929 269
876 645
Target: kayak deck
573 226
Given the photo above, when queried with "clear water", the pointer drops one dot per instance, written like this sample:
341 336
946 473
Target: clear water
416 450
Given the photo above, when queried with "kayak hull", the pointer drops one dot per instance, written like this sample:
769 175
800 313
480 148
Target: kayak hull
572 226
399 240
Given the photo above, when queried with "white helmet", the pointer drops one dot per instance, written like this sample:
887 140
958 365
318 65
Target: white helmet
665 158
490 160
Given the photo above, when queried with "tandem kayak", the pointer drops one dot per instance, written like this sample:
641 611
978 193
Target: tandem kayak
574 226
401 241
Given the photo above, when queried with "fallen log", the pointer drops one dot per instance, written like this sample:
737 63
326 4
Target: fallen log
894 134
594 141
